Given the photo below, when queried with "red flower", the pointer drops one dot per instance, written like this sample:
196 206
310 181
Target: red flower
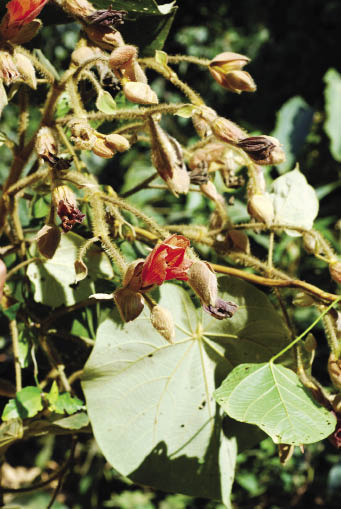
22 12
19 13
166 261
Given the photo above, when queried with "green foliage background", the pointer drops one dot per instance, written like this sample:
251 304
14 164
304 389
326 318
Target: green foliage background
292 46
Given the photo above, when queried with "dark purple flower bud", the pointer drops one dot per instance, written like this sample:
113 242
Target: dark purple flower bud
107 17
222 309
69 215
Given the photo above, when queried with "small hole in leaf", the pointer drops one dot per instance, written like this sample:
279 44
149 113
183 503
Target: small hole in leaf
150 355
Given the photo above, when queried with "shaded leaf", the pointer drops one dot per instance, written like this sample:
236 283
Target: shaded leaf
295 201
76 421
11 312
150 403
293 123
27 403
54 279
332 125
273 397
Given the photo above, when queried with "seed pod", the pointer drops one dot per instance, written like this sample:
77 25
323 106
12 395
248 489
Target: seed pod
139 93
335 271
203 281
129 303
48 239
132 277
167 157
227 131
101 149
260 207
163 322
202 119
9 72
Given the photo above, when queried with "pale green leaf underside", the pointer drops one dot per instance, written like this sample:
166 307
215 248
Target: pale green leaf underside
53 280
272 397
151 403
332 123
295 201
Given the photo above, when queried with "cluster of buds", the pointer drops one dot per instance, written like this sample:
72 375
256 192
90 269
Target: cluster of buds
169 261
167 157
124 64
226 69
66 204
19 24
103 145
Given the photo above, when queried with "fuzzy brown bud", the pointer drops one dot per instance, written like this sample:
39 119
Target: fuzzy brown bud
227 131
260 207
26 70
140 93
48 239
226 67
203 281
335 271
122 56
129 303
263 149
167 157
163 322
117 142
80 55
101 149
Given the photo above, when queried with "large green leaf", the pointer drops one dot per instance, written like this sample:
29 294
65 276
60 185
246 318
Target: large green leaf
332 125
273 397
295 201
293 124
54 280
150 403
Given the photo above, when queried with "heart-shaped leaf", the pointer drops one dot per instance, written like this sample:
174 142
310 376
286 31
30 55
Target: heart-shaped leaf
150 403
273 397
